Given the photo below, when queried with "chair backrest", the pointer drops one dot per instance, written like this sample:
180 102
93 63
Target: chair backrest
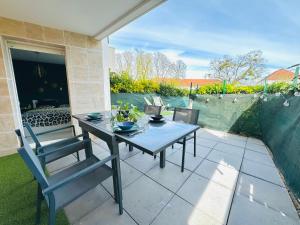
186 115
147 101
33 163
157 101
152 110
32 134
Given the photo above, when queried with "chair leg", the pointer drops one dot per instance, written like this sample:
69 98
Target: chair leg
130 148
119 186
183 155
115 181
194 144
172 146
38 205
154 156
77 154
51 219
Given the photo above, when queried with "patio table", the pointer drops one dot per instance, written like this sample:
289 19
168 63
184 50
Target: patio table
154 138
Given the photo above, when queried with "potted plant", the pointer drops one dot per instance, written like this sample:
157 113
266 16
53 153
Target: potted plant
125 112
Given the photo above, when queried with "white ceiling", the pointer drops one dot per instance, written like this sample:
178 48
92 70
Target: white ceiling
97 18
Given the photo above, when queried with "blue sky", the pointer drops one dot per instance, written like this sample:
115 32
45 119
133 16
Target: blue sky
197 31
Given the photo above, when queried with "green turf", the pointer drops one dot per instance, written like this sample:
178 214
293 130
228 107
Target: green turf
18 194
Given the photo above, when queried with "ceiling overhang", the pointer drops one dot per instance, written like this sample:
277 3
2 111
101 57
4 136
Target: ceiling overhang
96 18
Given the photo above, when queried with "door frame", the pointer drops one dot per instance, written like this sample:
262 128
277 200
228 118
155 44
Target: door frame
7 44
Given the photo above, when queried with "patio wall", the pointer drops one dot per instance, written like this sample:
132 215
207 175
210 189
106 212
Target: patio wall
88 82
138 100
280 128
236 117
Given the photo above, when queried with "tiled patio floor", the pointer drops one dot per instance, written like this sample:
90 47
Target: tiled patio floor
233 181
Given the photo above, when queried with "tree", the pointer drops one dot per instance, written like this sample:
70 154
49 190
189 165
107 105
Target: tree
235 69
125 62
143 64
180 69
161 65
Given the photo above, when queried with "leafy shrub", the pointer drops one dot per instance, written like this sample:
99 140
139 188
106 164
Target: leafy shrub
166 89
124 83
121 83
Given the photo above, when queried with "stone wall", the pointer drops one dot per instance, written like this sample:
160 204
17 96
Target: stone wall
87 79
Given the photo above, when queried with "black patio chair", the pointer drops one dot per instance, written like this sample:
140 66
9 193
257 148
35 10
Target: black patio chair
187 116
62 148
69 184
152 110
149 110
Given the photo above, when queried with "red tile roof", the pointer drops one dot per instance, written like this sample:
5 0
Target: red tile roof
282 74
187 82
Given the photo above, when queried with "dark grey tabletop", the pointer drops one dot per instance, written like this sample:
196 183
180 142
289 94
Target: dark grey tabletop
154 137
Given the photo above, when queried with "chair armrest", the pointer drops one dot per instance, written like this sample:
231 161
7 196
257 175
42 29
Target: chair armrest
59 149
54 130
78 175
61 141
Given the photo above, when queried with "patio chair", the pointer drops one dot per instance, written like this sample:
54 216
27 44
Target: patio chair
147 101
152 110
66 146
69 184
149 110
157 101
187 116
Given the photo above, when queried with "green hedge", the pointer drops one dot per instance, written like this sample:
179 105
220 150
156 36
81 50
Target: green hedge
124 83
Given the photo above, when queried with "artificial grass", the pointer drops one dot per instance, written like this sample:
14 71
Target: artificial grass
18 195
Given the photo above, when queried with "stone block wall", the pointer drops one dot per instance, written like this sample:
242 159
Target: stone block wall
87 80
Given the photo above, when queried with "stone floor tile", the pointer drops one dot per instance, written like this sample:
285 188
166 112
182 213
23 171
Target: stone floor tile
128 175
144 199
264 172
170 177
86 203
180 212
255 141
230 160
206 142
266 193
60 164
142 162
201 151
259 157
257 148
244 211
125 153
235 137
107 214
231 141
230 149
218 173
209 197
191 162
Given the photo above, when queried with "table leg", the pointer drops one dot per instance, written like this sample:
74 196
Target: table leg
117 183
162 159
130 148
88 146
183 154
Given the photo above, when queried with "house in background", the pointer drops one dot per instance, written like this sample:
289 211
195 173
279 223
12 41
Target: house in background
281 75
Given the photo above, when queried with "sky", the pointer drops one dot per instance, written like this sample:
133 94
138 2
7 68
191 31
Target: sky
197 31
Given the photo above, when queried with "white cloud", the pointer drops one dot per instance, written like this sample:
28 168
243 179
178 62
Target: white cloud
175 55
196 73
277 53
